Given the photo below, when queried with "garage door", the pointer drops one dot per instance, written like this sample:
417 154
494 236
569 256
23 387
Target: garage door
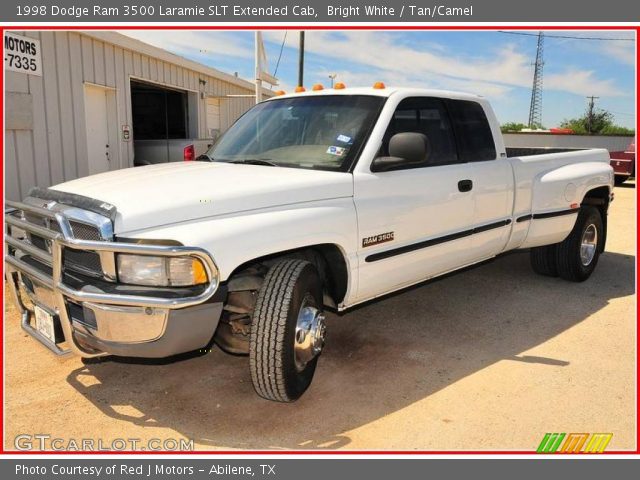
213 117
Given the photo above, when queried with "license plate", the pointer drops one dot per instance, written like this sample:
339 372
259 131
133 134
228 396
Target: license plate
44 323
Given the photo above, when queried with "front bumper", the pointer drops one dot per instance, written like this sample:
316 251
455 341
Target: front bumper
99 317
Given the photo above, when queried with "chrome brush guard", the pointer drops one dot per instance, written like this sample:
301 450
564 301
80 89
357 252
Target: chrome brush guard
48 270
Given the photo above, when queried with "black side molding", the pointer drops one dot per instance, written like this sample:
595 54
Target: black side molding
559 213
491 226
435 241
537 216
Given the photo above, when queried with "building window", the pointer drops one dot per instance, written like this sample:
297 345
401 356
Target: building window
158 113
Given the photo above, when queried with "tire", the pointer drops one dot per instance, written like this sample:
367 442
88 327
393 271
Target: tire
276 371
543 260
620 179
571 265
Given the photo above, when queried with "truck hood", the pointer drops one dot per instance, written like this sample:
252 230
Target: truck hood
169 193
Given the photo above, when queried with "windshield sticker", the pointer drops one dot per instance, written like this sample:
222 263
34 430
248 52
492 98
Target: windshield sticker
343 138
333 150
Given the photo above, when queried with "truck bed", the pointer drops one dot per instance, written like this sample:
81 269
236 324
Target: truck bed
528 151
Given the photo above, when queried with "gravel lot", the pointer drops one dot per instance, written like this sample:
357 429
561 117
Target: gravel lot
491 358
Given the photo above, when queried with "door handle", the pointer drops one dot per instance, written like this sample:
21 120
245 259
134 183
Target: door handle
465 185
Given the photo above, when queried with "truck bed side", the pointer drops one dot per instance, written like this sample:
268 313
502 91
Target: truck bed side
549 189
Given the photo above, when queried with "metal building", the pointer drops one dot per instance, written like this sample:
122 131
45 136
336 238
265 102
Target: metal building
72 116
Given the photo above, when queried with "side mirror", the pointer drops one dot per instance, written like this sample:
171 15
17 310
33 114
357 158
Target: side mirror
405 149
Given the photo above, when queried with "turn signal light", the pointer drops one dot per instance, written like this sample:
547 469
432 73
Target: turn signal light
199 273
339 86
300 89
280 92
379 85
317 86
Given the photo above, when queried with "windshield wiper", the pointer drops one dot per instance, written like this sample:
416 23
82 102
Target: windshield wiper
205 156
256 161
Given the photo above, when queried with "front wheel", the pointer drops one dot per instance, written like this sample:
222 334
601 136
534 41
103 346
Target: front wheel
287 331
577 255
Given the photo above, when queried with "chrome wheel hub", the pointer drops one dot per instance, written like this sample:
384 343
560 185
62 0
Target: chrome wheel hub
588 245
309 338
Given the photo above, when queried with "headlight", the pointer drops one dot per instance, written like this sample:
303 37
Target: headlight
161 271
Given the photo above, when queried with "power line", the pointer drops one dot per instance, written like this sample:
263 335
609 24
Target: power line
280 55
275 71
604 39
623 113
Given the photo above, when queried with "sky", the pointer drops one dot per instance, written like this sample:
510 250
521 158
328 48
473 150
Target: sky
496 65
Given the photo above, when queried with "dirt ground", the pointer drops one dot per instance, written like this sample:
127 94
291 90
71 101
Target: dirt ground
491 358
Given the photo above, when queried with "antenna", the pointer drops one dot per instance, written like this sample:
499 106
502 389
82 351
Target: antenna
301 60
535 110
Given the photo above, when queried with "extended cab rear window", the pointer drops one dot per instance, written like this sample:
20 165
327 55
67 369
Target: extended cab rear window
473 134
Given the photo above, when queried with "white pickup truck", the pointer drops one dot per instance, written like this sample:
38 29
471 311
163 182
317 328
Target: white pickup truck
311 201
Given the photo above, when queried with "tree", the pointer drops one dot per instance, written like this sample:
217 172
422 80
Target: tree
512 127
617 130
596 121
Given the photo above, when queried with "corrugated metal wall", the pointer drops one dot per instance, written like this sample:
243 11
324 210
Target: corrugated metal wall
54 148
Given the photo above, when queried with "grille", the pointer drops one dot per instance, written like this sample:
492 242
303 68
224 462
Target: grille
83 261
80 230
80 260
76 260
42 221
39 242
84 231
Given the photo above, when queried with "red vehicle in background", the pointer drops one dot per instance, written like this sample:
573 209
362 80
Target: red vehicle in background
624 163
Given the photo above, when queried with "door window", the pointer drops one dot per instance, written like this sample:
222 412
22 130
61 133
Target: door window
428 116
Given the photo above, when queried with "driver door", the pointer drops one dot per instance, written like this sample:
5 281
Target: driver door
413 223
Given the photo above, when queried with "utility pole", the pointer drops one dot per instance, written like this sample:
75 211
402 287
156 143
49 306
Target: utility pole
258 64
590 112
535 109
332 76
301 60
262 67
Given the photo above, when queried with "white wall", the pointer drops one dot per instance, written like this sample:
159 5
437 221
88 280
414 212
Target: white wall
541 140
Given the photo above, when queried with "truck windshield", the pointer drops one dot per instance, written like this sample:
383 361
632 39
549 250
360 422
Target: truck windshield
322 132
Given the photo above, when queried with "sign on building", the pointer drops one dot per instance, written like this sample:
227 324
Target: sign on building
22 54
